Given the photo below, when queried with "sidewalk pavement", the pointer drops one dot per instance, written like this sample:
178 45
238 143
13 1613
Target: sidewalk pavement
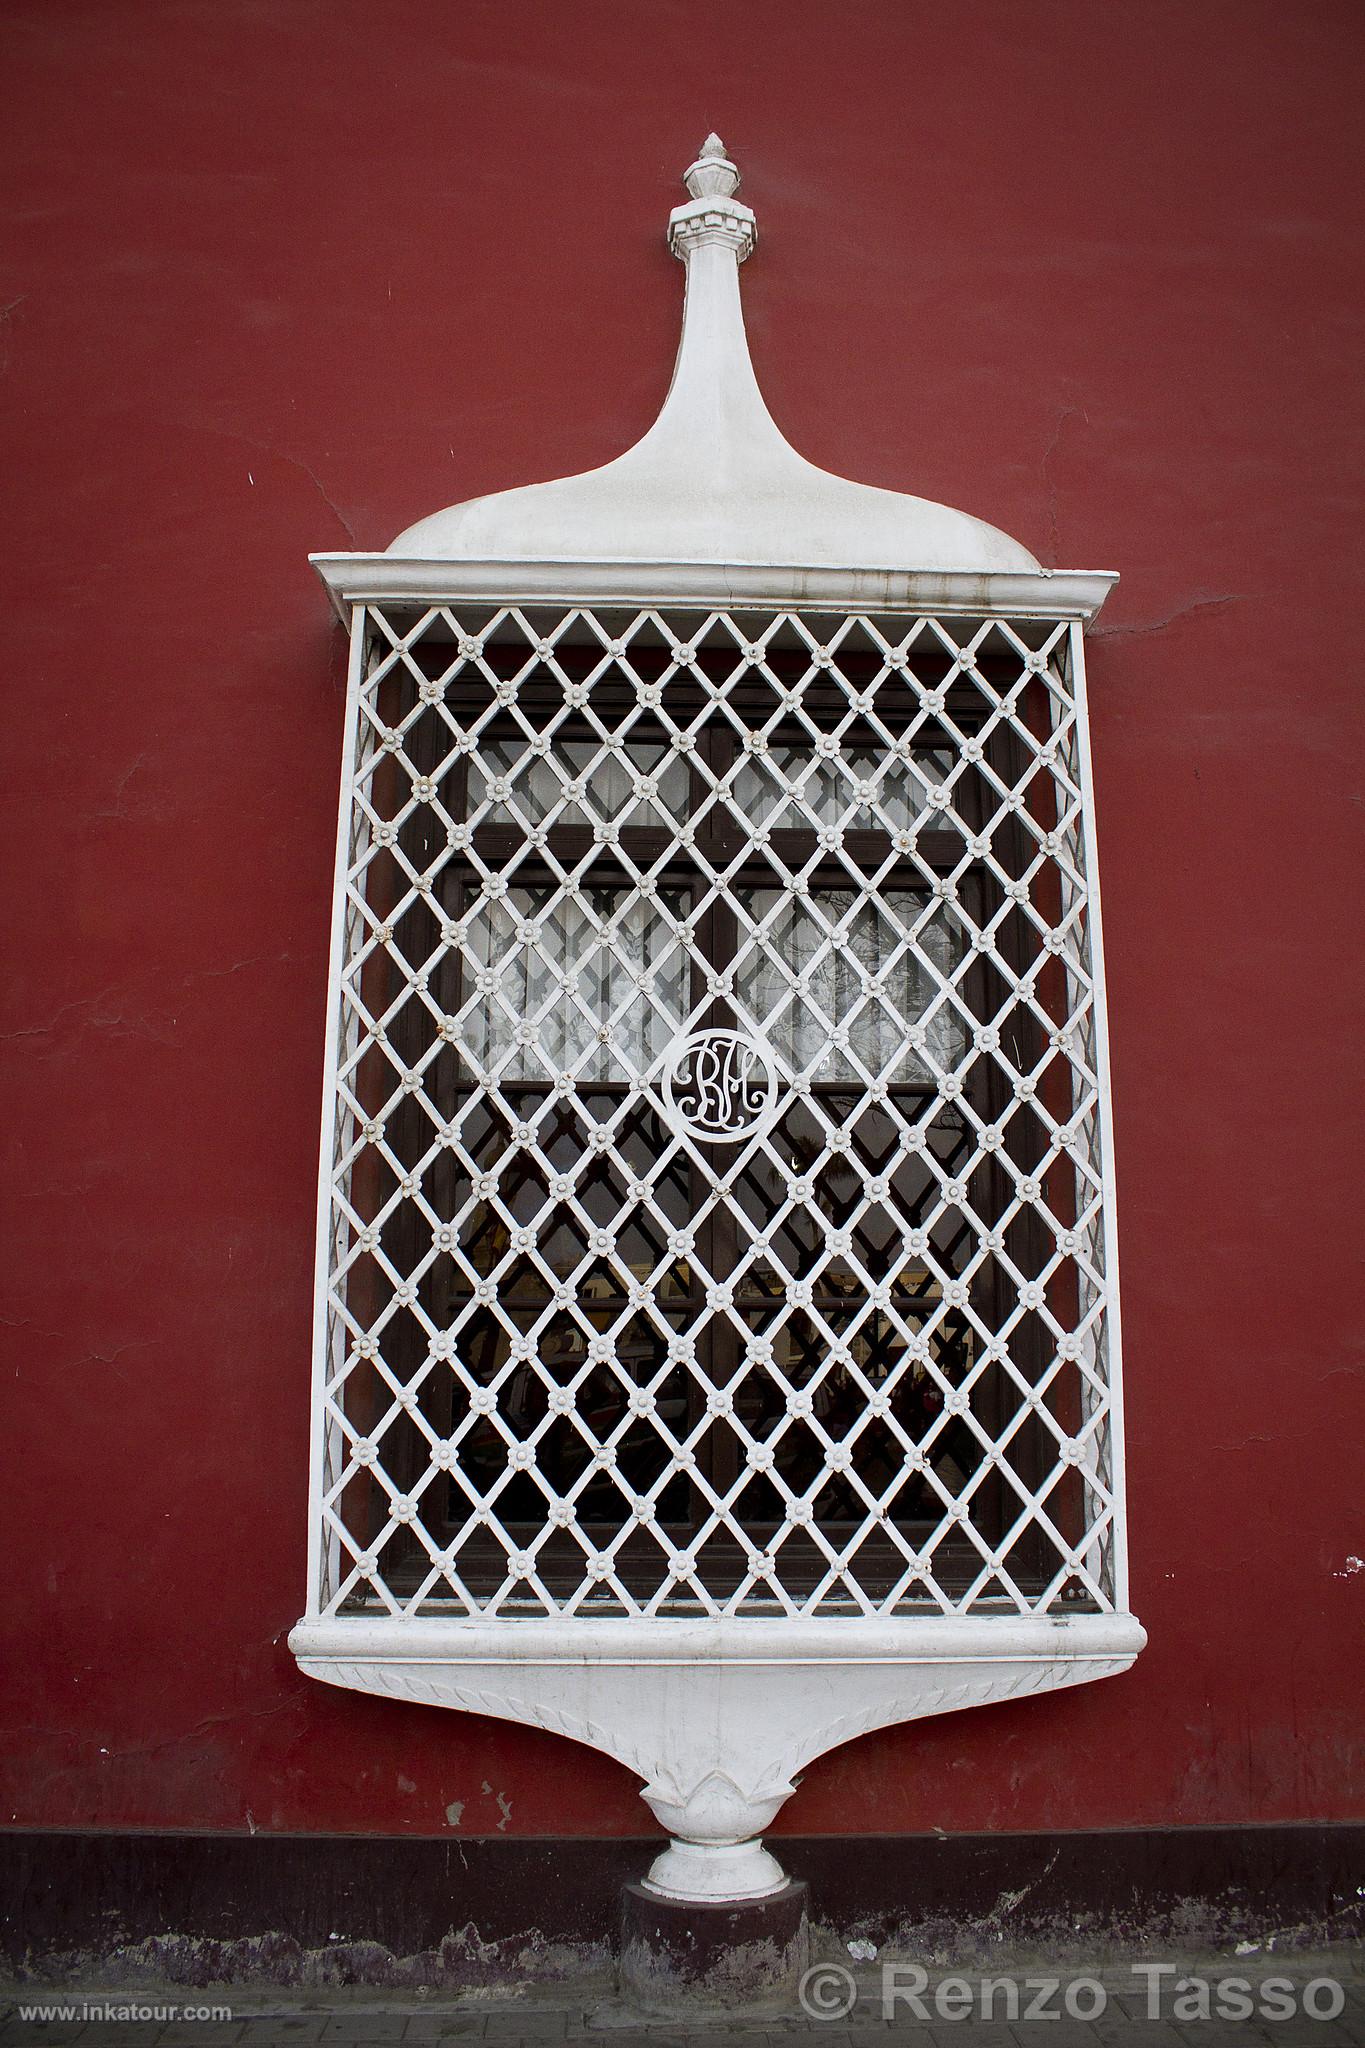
1314 1998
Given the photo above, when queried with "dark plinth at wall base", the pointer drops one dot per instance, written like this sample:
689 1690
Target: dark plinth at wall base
680 1955
384 1910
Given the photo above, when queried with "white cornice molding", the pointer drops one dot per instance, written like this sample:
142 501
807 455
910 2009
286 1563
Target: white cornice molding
946 593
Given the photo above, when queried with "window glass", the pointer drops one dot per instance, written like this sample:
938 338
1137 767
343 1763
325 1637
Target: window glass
839 982
574 782
592 983
864 787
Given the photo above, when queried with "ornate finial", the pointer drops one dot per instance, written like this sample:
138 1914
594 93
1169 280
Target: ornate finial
712 213
713 175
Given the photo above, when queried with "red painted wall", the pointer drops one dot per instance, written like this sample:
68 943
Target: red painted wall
288 276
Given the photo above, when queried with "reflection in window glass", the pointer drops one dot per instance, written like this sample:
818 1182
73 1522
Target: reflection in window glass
836 985
553 972
789 788
576 782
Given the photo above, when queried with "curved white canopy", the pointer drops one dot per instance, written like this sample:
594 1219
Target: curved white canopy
713 481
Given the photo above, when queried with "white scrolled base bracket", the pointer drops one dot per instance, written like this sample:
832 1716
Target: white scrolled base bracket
716 1717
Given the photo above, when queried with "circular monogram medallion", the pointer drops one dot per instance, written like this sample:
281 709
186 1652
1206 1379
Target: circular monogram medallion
719 1086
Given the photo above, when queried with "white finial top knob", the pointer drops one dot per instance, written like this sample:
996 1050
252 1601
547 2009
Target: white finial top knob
712 213
713 175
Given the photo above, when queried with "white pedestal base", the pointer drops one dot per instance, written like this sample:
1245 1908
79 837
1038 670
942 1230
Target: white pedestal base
716 1718
716 1871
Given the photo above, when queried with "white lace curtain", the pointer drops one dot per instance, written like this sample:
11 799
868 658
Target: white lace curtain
837 981
833 980
609 961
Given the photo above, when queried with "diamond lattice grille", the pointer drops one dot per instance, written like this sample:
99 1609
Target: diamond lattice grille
580 1359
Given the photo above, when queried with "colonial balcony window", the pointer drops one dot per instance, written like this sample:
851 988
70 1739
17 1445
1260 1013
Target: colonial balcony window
717 1273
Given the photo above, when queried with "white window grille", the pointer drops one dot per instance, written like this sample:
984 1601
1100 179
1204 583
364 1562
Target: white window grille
717 1257
584 1357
